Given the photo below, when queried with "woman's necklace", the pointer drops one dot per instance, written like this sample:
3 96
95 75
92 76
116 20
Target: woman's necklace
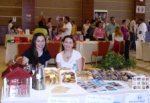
68 56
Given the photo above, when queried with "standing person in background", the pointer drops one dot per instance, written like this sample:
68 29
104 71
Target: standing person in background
69 57
38 52
41 29
74 30
126 38
10 25
49 26
67 27
110 28
85 27
91 29
142 29
132 35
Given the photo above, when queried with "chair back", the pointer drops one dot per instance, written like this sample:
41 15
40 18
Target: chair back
103 47
22 47
118 47
54 48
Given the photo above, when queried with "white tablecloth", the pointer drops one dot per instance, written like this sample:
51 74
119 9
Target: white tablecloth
11 51
11 36
76 92
87 47
143 50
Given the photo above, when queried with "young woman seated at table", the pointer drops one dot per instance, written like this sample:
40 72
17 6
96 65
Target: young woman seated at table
69 57
99 32
38 52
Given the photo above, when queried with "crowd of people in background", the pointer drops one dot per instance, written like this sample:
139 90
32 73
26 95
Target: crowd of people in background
94 29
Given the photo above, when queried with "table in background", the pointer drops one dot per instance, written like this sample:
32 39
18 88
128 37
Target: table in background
142 50
87 47
10 36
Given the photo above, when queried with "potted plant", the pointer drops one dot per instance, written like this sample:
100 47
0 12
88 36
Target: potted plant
117 62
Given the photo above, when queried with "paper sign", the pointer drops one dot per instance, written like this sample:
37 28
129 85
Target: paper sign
14 18
99 99
62 100
138 97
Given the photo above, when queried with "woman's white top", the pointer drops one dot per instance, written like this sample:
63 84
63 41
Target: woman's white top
118 38
75 56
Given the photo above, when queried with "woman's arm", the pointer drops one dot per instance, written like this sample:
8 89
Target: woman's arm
25 60
79 64
58 65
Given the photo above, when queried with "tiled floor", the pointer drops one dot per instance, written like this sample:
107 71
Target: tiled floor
142 67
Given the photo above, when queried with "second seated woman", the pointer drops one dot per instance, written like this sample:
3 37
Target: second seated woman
38 52
99 32
68 57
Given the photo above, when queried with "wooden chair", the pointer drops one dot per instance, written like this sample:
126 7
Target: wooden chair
119 47
54 48
103 47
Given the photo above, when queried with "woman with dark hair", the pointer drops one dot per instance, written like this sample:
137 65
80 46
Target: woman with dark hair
38 52
99 32
10 25
69 57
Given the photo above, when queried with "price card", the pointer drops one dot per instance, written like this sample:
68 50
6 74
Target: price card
99 99
62 100
138 97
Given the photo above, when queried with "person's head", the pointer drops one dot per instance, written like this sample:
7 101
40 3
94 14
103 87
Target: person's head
68 42
123 21
10 21
140 20
39 42
118 32
72 22
60 19
112 20
92 21
66 19
99 24
49 19
87 21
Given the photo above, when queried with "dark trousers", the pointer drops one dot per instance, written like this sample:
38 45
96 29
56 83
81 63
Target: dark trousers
126 52
110 37
132 41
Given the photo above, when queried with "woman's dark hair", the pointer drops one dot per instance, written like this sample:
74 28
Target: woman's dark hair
123 21
33 51
10 21
49 19
97 24
67 36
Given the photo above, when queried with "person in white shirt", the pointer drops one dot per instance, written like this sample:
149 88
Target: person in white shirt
85 27
142 29
68 57
67 27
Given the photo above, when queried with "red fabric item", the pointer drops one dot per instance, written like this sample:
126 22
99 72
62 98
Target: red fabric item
54 48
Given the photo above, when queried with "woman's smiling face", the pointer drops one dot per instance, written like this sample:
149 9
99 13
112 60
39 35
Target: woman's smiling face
40 43
68 44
